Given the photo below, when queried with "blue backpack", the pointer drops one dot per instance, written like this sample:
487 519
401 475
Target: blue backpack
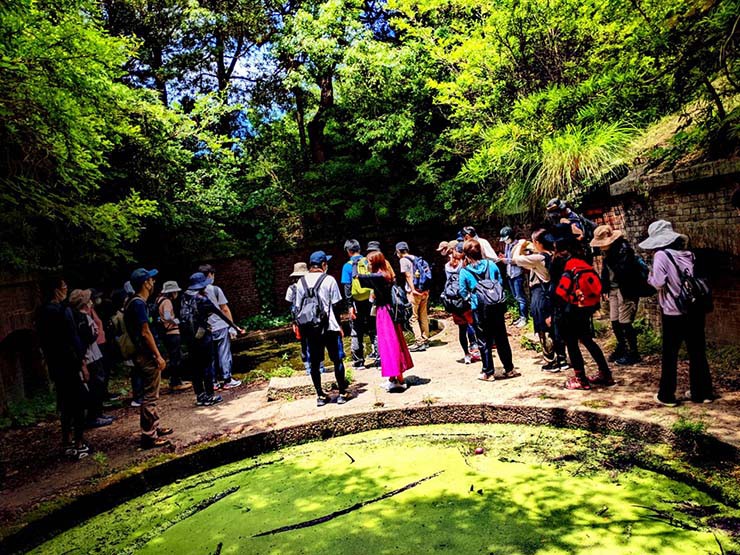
422 274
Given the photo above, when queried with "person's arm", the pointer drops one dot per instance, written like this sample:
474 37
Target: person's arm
658 276
167 312
407 267
528 261
465 288
146 335
488 251
225 311
495 272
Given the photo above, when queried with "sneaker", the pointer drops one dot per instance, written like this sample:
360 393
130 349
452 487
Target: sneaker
563 364
419 348
552 367
666 403
321 401
153 443
343 398
475 357
467 359
213 400
232 383
182 386
576 384
201 399
618 353
706 400
81 452
69 451
112 397
387 385
216 385
628 359
602 380
521 323
135 403
398 386
164 432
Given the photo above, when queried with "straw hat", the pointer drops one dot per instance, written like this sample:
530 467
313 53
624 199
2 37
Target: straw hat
661 234
299 269
604 235
79 298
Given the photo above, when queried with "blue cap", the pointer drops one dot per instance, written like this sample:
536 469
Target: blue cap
402 246
199 281
318 258
139 276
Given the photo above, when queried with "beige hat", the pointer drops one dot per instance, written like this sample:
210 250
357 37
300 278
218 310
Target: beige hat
604 235
79 298
443 245
170 287
299 269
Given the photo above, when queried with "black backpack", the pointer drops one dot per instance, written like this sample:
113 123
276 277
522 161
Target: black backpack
491 296
694 294
400 307
451 297
192 326
310 315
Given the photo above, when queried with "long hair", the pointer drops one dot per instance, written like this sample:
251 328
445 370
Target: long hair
379 265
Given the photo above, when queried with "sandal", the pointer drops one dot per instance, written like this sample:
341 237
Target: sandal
574 384
486 377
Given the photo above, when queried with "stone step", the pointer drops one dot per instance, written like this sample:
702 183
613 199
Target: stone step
299 386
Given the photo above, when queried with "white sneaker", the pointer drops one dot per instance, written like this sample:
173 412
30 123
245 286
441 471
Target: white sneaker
387 385
232 383
135 403
521 323
467 359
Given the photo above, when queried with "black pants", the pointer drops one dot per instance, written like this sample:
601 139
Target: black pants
488 332
676 330
201 355
360 327
173 343
98 389
576 327
317 342
71 400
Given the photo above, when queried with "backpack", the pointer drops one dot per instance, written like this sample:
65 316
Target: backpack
310 315
125 343
588 228
360 267
491 295
400 306
451 297
191 325
580 285
694 294
422 274
644 289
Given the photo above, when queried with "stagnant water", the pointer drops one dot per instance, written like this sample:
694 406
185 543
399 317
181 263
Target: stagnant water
460 489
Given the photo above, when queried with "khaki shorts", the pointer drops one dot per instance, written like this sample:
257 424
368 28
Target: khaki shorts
621 309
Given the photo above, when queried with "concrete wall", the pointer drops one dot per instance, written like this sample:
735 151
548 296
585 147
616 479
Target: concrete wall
697 202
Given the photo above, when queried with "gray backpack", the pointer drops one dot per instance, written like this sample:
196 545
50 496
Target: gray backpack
491 296
310 316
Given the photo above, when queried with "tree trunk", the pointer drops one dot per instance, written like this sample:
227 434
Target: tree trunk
300 117
159 82
318 123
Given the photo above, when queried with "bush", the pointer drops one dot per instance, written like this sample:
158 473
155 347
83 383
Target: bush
30 411
265 322
649 341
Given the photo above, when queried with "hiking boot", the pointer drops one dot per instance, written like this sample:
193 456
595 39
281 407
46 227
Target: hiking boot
161 432
552 367
232 383
153 443
673 403
628 359
201 399
603 380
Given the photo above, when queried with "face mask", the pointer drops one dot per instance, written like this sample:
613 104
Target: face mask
507 240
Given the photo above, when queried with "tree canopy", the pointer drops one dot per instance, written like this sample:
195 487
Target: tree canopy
210 127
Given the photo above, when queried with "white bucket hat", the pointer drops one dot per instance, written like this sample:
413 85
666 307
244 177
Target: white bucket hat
299 269
661 234
170 287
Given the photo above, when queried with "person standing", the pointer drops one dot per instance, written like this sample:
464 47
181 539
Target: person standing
515 275
670 262
222 334
395 358
358 298
417 287
621 280
468 233
373 246
318 297
462 314
489 322
171 334
147 358
63 352
300 269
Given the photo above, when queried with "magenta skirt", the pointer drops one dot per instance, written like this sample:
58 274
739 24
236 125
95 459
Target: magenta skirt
395 358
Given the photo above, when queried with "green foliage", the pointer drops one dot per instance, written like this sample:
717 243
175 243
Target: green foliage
29 412
649 342
265 322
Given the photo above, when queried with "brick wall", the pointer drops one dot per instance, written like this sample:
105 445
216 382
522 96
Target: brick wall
701 209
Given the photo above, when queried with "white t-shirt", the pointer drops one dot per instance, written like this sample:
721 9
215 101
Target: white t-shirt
328 294
407 267
486 249
217 297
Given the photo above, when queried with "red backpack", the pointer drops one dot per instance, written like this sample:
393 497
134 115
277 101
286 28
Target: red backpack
579 285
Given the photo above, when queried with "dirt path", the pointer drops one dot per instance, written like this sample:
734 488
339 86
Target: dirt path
33 473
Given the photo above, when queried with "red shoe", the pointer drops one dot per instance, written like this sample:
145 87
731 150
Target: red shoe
574 383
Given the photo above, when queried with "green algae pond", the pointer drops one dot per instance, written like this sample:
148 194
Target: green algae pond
502 489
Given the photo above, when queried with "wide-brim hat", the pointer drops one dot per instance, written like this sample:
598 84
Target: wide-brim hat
79 298
661 234
199 281
170 287
604 235
299 269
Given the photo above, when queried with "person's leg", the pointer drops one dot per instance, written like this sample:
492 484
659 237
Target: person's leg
424 317
149 417
137 385
700 379
172 344
78 403
63 405
517 286
569 330
462 335
501 337
627 314
414 322
621 348
357 333
223 351
316 357
673 335
97 390
485 345
332 341
305 356
586 337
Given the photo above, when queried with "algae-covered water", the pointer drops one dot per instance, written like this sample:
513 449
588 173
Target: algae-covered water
416 490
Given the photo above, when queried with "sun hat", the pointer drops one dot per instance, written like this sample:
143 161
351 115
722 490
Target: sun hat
318 258
373 246
199 281
299 269
139 276
170 287
604 235
661 234
79 298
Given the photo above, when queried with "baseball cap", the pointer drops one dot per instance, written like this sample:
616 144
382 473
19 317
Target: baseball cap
139 276
506 232
402 246
318 258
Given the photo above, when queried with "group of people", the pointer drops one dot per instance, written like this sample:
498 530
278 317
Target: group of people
82 335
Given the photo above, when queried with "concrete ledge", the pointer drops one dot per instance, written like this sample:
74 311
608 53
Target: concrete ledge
299 386
130 486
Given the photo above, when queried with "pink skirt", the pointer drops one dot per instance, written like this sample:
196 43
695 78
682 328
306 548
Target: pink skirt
395 358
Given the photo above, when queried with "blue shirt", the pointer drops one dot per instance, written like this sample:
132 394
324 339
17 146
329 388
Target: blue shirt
347 269
471 274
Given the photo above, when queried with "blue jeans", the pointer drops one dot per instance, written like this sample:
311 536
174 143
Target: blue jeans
222 361
517 289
